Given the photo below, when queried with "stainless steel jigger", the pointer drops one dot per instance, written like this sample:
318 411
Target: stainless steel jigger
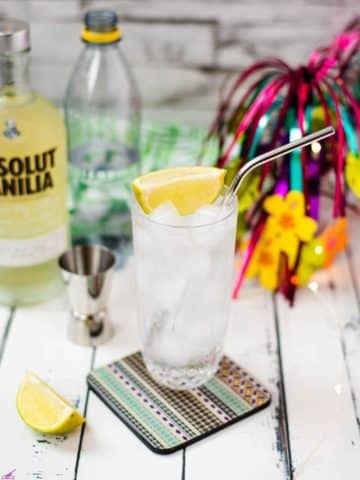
87 272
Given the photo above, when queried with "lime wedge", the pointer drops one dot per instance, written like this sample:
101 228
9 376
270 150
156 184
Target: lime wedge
188 188
43 409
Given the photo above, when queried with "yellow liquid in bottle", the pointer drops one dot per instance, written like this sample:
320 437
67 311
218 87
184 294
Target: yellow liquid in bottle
33 218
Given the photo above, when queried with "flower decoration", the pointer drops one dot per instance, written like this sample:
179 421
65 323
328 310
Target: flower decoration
269 104
286 226
335 239
288 222
265 262
312 258
352 173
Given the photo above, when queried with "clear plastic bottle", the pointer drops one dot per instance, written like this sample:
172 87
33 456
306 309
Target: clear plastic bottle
33 178
102 111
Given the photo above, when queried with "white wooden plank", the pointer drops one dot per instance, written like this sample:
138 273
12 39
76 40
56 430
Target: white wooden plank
351 328
341 296
324 438
108 445
5 323
37 342
4 317
250 448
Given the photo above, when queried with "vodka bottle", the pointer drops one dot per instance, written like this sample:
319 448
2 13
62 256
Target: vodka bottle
33 183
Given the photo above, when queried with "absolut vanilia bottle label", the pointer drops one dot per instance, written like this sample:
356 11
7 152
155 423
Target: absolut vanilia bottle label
28 175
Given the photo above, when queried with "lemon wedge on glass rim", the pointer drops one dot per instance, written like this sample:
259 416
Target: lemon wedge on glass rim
187 188
43 409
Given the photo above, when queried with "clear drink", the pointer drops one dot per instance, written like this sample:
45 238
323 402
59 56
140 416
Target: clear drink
184 270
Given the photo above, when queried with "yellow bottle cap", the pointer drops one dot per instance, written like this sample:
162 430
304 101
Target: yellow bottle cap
100 37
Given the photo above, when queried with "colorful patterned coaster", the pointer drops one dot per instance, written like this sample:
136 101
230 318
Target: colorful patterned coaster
166 420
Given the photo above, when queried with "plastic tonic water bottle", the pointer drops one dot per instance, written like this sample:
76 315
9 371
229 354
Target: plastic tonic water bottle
102 109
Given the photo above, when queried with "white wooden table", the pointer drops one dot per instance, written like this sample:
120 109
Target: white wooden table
308 356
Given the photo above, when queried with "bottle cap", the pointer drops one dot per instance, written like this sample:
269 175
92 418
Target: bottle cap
14 36
101 26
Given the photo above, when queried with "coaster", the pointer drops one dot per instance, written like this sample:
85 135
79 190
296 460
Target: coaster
167 420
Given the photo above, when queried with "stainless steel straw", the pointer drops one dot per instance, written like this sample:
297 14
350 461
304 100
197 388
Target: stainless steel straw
273 154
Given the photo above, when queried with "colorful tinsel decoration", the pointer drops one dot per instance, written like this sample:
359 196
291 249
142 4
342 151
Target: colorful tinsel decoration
281 235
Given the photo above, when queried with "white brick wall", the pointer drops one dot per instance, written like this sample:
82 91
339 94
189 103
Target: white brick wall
180 49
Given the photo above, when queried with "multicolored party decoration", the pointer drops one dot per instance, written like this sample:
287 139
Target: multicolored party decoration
345 49
282 236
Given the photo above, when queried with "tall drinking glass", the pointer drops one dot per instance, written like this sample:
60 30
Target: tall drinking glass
184 277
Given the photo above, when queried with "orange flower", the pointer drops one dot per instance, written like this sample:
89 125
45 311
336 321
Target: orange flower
335 239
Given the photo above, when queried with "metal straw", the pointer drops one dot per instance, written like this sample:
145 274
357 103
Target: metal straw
273 154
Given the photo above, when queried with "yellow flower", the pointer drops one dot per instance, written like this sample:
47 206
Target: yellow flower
285 227
352 173
288 223
265 262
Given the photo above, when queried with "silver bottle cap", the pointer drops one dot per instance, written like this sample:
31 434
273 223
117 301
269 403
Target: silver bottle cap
14 36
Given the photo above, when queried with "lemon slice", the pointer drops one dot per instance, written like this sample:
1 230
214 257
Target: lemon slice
43 409
188 188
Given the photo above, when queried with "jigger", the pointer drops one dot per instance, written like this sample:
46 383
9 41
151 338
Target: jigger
87 272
